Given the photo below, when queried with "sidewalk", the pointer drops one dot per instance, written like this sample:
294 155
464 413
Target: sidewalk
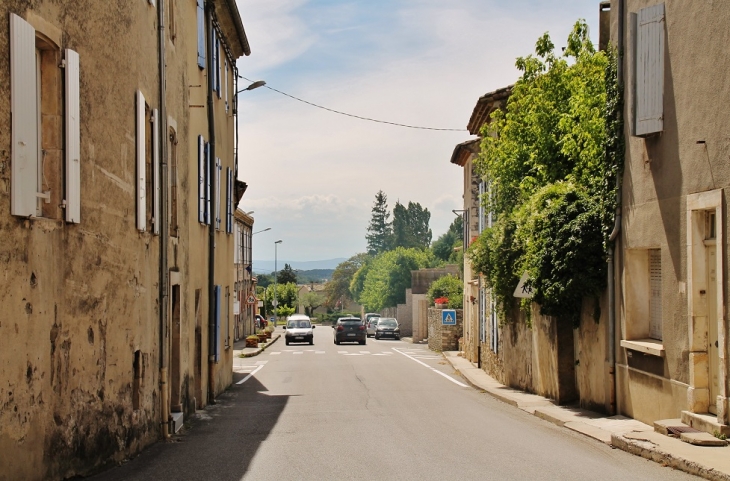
240 349
709 462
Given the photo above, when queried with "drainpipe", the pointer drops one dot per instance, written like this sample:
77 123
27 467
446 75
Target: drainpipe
164 394
614 235
211 230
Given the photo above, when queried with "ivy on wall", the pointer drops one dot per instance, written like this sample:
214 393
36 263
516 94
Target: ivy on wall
551 160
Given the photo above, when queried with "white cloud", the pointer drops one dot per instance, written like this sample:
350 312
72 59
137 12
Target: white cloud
313 174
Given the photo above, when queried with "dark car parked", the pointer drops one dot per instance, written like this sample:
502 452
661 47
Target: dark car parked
350 329
387 327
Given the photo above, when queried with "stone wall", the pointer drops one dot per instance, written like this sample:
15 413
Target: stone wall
441 337
420 317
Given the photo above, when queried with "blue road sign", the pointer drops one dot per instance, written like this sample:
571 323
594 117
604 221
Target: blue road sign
448 317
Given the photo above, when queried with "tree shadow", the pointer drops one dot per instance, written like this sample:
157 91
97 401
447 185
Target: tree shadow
218 442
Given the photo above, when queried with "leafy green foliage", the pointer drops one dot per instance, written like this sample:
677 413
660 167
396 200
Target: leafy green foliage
551 159
443 247
379 230
263 280
311 301
286 275
450 287
286 295
338 288
410 226
386 278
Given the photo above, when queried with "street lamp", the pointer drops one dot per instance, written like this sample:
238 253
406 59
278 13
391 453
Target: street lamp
276 302
255 85
262 230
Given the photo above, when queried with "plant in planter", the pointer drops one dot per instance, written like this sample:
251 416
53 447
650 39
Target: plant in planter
252 341
269 330
441 302
261 334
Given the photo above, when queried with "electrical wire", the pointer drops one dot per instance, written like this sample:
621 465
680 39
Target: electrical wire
356 116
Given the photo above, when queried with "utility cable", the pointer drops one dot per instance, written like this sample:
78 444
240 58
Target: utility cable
356 116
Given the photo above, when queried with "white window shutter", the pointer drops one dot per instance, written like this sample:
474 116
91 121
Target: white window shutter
649 77
141 164
201 179
156 220
218 168
73 139
208 213
225 83
201 34
229 203
24 108
217 47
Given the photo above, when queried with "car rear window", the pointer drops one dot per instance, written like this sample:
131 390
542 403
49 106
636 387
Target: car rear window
350 322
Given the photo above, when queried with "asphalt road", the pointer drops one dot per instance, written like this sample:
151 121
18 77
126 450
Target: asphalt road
385 411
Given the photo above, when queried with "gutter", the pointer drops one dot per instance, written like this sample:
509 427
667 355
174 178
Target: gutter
613 408
213 194
164 227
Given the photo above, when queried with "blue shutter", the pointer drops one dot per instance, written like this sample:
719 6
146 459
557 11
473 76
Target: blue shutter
201 34
217 333
217 47
207 184
201 179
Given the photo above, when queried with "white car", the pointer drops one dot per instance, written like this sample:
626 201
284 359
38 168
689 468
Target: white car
299 328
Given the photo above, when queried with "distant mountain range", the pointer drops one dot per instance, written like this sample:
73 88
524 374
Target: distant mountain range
267 267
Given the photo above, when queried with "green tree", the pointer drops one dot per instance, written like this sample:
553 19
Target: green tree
450 287
410 226
389 275
443 247
547 162
379 230
286 295
311 301
286 275
263 280
338 288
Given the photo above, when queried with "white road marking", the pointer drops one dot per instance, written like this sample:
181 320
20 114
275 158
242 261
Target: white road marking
319 352
275 353
434 370
249 376
298 352
353 354
261 362
341 352
364 352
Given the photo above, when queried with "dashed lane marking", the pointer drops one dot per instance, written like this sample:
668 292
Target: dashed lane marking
250 374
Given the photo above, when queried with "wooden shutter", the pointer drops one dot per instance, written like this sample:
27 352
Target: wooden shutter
208 213
655 296
24 108
141 164
229 200
218 168
73 139
156 220
201 179
201 34
216 347
217 53
649 77
225 83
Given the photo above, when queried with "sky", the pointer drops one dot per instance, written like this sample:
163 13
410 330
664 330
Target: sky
313 175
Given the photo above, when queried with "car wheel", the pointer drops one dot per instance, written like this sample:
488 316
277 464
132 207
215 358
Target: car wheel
362 343
337 342
311 342
287 342
397 338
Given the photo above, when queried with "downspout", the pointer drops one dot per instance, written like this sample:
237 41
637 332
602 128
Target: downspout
614 235
164 394
211 229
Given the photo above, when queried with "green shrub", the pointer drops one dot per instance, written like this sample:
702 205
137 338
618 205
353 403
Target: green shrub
450 287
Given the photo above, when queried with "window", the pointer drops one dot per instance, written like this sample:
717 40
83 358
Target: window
225 83
228 317
648 34
148 166
229 200
171 20
174 225
44 118
201 34
218 168
203 181
655 297
137 380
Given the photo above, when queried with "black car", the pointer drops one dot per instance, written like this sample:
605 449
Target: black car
350 329
387 327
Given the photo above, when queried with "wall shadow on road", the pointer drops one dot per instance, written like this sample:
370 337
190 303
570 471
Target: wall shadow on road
218 443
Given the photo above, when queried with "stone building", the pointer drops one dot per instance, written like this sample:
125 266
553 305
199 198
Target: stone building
118 181
244 311
671 325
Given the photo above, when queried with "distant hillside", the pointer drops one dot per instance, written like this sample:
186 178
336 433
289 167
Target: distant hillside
314 275
267 267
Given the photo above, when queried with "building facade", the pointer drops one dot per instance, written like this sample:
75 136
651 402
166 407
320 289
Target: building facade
245 301
119 119
671 256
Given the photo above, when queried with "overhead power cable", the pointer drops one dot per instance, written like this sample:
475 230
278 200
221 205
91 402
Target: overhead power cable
356 116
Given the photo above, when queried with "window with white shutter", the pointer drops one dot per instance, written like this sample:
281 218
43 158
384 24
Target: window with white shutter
141 163
201 179
73 139
225 83
156 218
648 26
218 168
208 210
201 34
229 200
217 53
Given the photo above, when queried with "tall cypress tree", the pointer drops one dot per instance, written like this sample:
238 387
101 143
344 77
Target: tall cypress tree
379 230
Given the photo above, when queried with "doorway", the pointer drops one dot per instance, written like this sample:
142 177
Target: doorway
713 352
175 404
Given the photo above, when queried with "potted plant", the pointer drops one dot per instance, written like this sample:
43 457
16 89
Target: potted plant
252 341
269 330
261 335
441 302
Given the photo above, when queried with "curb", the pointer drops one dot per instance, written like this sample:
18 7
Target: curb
646 449
256 353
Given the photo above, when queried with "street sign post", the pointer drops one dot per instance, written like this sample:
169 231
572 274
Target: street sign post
448 317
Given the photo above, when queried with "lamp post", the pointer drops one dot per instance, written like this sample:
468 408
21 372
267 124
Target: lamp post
276 302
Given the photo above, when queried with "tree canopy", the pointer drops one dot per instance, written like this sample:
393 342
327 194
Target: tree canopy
443 247
411 226
338 289
286 275
379 230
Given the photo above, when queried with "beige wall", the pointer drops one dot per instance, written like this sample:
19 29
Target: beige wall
80 299
689 157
